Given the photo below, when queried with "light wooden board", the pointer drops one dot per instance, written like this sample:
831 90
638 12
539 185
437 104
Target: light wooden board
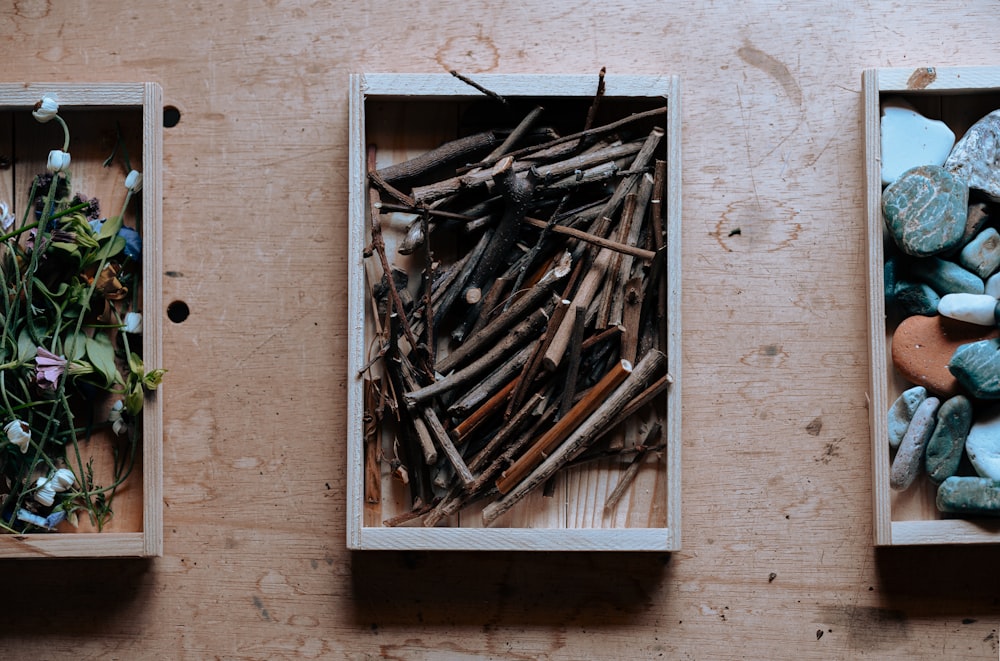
777 560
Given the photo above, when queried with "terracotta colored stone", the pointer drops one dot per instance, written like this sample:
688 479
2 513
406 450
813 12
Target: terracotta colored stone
923 346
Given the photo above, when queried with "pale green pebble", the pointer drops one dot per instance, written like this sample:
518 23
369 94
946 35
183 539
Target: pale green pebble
969 495
948 277
901 412
944 450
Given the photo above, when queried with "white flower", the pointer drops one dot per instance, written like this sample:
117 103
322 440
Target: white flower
133 181
133 322
45 109
115 417
58 161
6 217
46 488
18 434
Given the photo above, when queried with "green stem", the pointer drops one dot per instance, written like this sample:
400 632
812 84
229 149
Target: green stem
65 129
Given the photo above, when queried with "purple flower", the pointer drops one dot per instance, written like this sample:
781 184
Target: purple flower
133 243
48 368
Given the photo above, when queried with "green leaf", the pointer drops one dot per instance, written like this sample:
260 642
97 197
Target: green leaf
26 348
110 228
102 356
133 399
49 294
108 250
135 364
74 346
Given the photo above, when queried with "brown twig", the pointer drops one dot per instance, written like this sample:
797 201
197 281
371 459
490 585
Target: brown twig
581 438
577 415
628 476
471 83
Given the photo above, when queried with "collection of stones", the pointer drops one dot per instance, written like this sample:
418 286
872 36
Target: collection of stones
942 285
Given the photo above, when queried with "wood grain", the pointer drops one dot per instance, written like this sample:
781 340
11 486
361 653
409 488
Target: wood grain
777 489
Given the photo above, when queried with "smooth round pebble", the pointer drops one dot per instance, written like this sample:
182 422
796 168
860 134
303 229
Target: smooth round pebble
910 456
922 347
969 495
948 277
901 412
977 367
993 286
983 444
945 447
926 210
973 308
916 298
982 255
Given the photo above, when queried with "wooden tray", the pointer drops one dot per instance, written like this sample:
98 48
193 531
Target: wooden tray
409 114
92 112
959 97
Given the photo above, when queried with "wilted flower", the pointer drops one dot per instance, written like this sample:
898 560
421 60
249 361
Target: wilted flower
109 285
133 322
48 368
133 181
6 217
46 488
133 243
46 109
58 161
18 434
116 419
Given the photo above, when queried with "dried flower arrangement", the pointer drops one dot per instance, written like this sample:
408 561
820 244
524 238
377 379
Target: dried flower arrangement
70 363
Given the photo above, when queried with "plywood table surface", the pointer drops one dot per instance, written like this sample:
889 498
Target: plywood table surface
777 558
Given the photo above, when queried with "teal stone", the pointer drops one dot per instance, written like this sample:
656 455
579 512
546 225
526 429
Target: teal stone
982 255
925 210
889 281
977 367
944 450
948 277
969 495
916 298
901 412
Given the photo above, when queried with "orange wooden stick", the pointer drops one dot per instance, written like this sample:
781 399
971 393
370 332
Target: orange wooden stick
562 429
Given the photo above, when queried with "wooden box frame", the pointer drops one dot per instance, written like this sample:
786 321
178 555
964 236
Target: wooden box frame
959 96
365 533
139 530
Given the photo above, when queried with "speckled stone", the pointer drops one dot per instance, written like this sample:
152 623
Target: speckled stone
910 456
922 347
974 308
901 412
925 210
975 158
969 495
947 277
975 220
983 443
977 368
982 255
916 298
944 449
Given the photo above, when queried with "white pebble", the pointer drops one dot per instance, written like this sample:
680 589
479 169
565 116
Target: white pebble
993 285
909 139
973 308
983 444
